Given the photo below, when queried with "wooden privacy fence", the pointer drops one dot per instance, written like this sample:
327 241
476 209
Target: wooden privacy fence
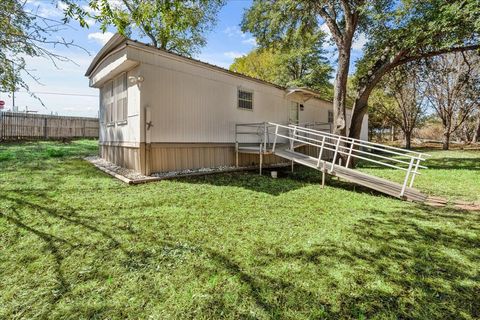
22 126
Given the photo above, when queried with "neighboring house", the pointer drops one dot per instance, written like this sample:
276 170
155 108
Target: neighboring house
160 111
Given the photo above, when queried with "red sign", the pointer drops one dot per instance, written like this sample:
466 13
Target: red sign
2 104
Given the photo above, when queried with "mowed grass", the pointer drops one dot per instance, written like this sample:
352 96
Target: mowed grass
454 174
76 244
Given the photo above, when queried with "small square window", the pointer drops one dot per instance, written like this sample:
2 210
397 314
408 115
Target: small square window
245 99
330 116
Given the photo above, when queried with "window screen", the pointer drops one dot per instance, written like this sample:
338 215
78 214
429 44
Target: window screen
108 98
330 116
245 99
121 100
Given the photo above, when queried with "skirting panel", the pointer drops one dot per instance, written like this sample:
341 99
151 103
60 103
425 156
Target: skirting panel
126 157
174 157
162 157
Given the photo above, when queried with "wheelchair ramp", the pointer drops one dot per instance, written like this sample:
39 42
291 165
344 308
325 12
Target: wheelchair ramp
355 176
345 149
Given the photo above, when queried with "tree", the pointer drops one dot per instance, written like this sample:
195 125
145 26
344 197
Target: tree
274 22
24 33
378 123
300 64
258 63
174 25
412 31
453 84
405 86
397 33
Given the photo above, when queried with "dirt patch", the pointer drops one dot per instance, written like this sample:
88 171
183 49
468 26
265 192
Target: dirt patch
439 202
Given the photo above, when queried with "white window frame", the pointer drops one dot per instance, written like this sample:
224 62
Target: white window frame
121 97
330 118
238 98
109 103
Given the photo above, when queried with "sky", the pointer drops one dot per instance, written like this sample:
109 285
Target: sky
64 89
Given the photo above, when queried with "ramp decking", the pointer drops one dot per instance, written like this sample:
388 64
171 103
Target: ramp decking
352 175
294 136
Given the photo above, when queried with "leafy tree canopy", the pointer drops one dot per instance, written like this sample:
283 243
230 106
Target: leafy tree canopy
175 25
24 33
397 32
299 64
413 30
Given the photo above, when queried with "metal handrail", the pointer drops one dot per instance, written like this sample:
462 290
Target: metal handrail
373 144
365 152
263 133
336 145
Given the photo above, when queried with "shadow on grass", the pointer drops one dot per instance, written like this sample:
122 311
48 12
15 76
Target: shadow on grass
287 181
139 260
426 268
426 271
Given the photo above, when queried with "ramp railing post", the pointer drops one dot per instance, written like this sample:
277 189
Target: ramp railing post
335 154
293 137
236 154
321 152
406 178
265 136
349 153
414 172
261 159
323 174
275 138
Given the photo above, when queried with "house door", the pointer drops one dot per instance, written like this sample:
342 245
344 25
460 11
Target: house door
293 113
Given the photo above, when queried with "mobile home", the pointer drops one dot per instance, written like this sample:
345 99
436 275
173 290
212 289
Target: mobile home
160 111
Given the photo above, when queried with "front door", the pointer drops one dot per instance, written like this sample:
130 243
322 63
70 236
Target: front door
293 113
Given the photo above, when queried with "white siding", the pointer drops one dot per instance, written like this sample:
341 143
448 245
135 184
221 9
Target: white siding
191 103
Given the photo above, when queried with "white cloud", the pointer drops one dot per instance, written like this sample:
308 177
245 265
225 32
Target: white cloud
359 42
62 5
44 9
234 31
250 41
90 22
233 54
101 38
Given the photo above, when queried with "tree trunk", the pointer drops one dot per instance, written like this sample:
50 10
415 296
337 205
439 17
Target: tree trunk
408 140
358 112
446 140
476 133
340 91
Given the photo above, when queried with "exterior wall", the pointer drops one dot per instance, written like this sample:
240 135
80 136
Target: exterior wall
187 109
315 110
127 157
191 103
193 111
180 156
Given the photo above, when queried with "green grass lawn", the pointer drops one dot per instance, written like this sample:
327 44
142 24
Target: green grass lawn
76 244
451 174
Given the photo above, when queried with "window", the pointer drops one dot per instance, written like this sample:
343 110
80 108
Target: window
108 102
245 99
114 101
330 116
121 100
